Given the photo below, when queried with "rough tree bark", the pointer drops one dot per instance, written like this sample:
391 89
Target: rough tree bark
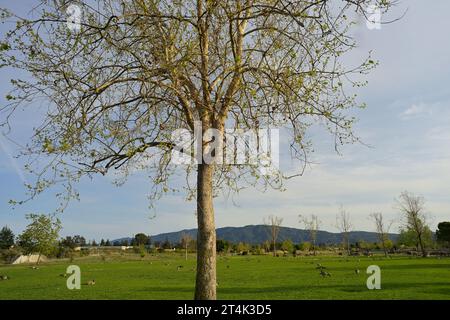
205 285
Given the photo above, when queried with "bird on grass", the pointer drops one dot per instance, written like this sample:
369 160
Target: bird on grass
323 271
320 267
90 283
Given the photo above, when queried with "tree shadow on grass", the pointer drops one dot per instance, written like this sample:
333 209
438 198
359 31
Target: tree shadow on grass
351 288
416 266
166 289
332 291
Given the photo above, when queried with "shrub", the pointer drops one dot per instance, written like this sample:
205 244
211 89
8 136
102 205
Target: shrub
142 251
9 255
64 252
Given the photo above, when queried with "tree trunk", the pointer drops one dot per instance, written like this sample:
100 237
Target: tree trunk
384 249
205 285
422 247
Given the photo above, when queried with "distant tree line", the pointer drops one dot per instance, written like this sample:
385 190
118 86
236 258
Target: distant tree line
41 236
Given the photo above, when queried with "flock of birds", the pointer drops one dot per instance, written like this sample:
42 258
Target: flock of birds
322 271
4 277
89 283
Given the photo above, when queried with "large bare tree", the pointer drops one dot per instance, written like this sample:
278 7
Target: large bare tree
382 228
344 225
412 208
273 224
113 88
312 225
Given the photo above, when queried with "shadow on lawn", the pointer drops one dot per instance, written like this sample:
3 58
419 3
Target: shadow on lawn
415 266
351 288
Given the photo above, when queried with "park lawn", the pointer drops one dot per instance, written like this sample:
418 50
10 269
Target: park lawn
239 277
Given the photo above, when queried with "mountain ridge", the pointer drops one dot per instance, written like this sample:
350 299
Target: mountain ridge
256 234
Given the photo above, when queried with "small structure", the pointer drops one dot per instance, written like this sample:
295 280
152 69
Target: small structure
124 248
31 258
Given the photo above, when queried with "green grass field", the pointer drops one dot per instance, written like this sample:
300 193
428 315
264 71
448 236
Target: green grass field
239 277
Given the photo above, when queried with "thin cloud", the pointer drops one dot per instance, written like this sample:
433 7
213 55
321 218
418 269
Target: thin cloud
5 149
416 110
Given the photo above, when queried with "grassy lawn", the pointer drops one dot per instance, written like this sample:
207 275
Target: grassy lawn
239 277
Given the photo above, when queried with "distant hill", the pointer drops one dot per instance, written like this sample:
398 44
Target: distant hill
256 234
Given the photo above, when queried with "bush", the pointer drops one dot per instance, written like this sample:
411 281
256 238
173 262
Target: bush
142 251
259 251
64 252
9 255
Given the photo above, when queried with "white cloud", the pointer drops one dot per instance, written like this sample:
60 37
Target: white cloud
417 110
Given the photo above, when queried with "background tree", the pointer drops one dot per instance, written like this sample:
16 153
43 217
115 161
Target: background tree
382 229
266 246
166 244
68 242
79 241
408 238
41 235
287 245
344 226
443 233
273 224
305 246
312 225
185 242
223 245
242 248
73 242
412 208
141 239
6 238
135 71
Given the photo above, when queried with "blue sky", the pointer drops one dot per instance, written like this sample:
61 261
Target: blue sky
407 125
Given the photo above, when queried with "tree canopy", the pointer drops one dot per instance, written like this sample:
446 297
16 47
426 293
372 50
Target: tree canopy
41 235
443 232
141 239
137 70
6 238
